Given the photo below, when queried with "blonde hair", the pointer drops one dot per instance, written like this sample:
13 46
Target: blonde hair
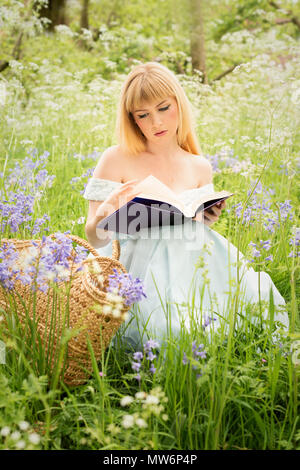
148 82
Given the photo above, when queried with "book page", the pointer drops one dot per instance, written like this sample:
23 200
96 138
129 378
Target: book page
219 195
153 188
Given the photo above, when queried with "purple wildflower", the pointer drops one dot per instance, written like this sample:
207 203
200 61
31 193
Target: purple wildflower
258 188
208 321
23 185
138 356
285 210
136 366
295 242
8 256
148 354
258 248
201 354
185 360
197 351
49 261
78 179
151 344
130 289
151 356
259 209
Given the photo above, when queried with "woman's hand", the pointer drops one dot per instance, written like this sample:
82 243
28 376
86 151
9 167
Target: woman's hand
118 198
212 214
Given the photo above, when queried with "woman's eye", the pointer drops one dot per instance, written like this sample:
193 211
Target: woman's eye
141 116
165 108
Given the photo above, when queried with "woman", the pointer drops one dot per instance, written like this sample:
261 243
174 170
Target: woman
189 271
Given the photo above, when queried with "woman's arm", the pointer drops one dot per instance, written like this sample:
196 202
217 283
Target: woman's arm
109 167
96 237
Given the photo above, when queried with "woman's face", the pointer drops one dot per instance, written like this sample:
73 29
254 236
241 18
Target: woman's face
157 120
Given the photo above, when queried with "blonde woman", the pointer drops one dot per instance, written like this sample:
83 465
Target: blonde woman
156 137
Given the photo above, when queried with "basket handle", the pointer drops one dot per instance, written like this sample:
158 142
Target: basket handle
85 244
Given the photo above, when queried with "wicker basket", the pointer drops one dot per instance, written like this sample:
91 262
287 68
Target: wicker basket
86 297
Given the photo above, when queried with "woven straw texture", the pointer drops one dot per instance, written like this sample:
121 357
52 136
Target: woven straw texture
84 297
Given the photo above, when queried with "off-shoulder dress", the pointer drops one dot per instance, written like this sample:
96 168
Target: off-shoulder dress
193 277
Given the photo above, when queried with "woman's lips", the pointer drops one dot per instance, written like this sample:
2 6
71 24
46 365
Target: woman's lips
158 134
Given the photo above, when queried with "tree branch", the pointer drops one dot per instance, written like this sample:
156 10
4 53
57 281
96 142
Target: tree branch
17 48
15 53
293 19
226 72
3 65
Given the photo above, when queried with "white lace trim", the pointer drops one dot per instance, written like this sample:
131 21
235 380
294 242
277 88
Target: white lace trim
98 189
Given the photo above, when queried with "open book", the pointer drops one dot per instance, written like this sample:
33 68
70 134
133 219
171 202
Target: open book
157 204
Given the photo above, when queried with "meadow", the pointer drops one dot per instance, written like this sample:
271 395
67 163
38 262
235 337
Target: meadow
239 391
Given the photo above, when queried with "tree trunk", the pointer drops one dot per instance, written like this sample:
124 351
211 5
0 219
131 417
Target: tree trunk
84 17
55 12
197 39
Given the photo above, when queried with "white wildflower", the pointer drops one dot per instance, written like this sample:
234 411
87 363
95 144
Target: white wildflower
140 395
113 429
112 297
15 435
34 438
64 30
141 423
62 273
5 431
26 142
128 421
81 220
126 400
50 276
116 312
125 316
23 425
21 444
152 400
96 267
106 309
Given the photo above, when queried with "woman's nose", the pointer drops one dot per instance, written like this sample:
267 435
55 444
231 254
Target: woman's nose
156 120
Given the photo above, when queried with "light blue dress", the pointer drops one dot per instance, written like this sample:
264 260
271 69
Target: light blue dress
190 277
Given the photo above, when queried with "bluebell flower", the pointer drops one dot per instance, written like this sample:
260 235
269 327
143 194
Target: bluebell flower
197 351
136 366
148 354
138 356
151 356
151 344
130 289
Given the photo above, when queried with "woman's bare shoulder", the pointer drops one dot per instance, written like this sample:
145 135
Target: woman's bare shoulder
204 167
111 164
